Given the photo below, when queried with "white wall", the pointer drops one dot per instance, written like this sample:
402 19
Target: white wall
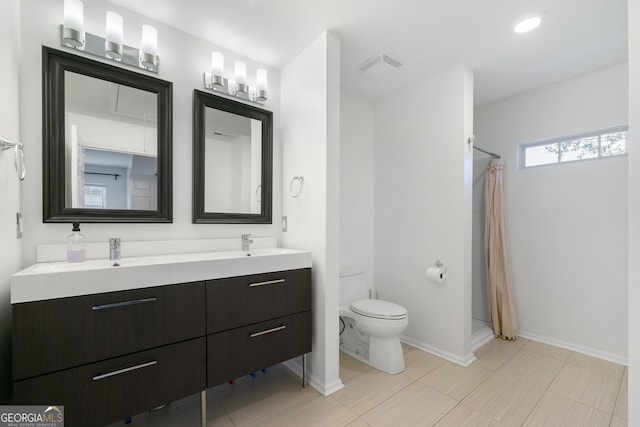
423 209
634 213
357 184
310 129
183 59
228 161
9 184
567 224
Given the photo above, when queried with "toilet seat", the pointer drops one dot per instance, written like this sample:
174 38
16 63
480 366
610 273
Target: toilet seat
378 309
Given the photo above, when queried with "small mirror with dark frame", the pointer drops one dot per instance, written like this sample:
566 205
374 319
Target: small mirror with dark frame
107 142
232 161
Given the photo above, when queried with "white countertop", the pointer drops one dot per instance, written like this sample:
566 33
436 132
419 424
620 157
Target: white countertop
49 280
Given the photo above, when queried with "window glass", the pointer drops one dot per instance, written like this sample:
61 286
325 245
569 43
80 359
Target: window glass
607 143
578 149
541 155
95 196
614 144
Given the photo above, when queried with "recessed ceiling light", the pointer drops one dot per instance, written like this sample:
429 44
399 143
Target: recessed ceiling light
527 24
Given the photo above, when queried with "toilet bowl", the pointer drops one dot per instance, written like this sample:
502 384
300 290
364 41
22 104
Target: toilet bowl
372 328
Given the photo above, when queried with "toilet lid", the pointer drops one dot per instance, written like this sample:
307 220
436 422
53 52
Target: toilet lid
379 309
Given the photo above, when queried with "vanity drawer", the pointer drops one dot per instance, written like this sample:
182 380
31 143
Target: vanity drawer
240 301
232 354
108 391
53 335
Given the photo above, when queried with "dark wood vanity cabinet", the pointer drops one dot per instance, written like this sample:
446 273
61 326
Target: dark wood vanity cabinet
57 334
256 321
110 390
111 355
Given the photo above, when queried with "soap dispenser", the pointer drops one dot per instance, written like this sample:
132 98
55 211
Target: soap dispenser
76 250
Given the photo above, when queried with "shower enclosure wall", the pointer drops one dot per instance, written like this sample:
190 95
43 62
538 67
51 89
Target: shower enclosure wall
479 304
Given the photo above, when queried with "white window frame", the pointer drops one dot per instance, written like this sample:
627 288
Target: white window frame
103 188
522 148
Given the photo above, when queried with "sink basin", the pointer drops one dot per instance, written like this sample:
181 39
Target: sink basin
61 279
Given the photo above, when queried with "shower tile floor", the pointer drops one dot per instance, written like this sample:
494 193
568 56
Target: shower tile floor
513 383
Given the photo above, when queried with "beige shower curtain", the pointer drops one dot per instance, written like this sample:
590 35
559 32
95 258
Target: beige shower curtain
503 315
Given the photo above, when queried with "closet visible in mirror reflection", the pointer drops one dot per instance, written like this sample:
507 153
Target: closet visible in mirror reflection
233 163
111 145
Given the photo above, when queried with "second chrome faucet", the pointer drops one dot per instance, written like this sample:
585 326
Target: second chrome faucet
114 250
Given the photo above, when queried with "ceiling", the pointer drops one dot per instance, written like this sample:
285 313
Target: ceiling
426 36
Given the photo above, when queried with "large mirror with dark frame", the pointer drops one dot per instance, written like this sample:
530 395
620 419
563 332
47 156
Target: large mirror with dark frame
232 161
107 142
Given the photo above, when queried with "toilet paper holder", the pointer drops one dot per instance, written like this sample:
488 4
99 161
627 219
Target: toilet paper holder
436 273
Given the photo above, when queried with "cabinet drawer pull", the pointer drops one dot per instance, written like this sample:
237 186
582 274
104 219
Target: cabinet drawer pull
269 282
122 304
122 371
268 331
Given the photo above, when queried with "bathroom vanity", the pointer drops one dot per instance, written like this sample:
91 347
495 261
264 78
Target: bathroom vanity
107 348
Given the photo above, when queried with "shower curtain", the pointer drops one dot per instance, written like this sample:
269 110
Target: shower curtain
503 316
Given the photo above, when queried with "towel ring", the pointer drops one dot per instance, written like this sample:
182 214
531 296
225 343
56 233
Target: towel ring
300 181
5 144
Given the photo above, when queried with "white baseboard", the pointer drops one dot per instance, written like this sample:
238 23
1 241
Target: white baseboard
324 389
462 361
328 389
481 337
615 358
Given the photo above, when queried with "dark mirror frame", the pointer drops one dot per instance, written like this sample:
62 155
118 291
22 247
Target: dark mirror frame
202 100
54 65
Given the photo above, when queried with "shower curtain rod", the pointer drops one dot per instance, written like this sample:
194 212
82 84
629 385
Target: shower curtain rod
491 153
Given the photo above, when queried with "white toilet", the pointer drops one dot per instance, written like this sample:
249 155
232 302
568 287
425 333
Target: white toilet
370 329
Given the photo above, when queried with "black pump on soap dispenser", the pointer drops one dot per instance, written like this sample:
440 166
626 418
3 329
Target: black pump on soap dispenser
76 248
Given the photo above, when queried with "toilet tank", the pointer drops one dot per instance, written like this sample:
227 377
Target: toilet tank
352 286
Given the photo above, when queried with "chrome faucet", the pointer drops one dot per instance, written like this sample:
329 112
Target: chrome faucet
245 242
114 249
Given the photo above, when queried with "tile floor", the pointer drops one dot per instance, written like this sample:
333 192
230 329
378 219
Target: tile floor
520 383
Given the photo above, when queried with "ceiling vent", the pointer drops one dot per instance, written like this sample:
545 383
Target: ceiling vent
379 66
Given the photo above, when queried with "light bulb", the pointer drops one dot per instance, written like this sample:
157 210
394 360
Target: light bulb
149 43
149 47
261 79
113 36
73 24
74 14
527 25
241 72
261 83
217 63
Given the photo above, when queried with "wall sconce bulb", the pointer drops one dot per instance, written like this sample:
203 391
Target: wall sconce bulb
73 24
113 48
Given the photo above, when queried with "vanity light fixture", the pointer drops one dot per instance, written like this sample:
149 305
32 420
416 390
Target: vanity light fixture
113 36
214 80
261 83
217 69
241 77
110 46
73 27
149 48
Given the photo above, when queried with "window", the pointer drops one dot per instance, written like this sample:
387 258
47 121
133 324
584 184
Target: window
605 143
95 196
